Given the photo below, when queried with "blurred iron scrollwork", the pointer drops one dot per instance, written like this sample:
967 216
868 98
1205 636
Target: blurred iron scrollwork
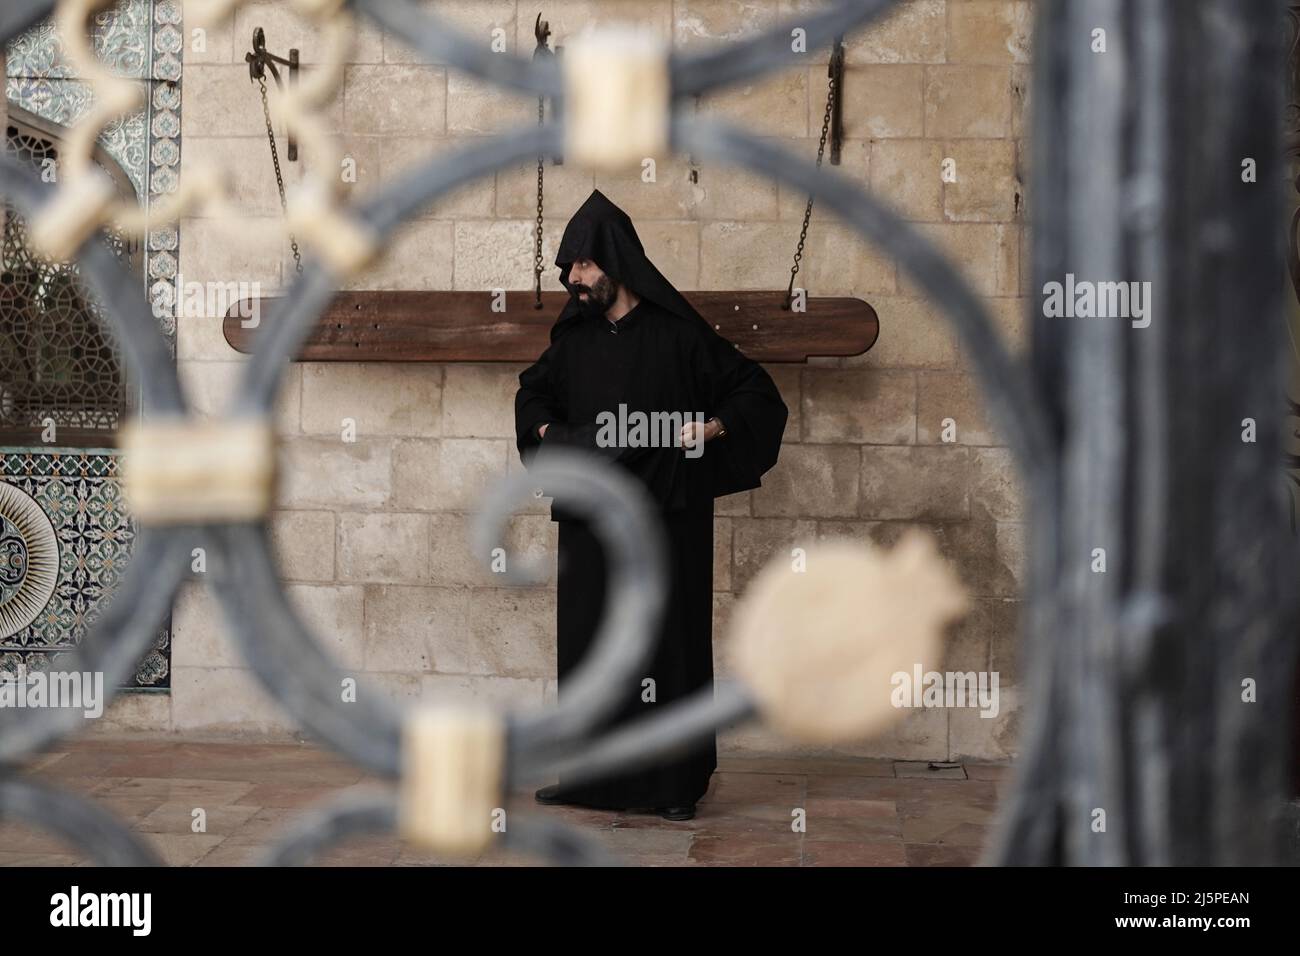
1126 440
1291 453
1292 144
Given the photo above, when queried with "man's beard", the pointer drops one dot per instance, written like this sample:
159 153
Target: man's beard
600 297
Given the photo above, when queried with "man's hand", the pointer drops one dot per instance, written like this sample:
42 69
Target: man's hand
692 430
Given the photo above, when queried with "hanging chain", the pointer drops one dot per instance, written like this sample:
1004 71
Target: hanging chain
537 247
279 177
807 213
542 31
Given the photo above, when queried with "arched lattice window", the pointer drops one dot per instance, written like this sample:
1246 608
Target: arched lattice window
58 360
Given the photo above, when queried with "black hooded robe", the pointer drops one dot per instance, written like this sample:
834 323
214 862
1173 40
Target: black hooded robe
662 356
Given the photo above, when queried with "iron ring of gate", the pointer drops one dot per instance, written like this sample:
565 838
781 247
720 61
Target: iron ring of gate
299 672
1011 402
289 661
280 649
81 822
128 624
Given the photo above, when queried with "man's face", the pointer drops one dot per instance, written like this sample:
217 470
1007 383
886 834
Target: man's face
596 291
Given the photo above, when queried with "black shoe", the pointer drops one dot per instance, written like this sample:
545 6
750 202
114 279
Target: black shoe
676 813
549 796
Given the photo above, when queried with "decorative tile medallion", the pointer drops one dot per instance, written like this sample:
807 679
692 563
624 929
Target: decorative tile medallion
29 559
90 535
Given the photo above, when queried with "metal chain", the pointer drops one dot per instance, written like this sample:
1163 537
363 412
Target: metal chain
279 177
542 31
537 248
807 213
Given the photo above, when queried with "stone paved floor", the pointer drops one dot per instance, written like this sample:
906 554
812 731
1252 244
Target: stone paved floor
858 812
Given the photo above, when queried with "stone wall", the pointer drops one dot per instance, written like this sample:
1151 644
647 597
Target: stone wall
371 535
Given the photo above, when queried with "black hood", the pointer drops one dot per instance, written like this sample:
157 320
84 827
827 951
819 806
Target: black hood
695 369
603 233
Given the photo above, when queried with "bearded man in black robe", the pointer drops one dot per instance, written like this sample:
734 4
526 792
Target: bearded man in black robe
627 342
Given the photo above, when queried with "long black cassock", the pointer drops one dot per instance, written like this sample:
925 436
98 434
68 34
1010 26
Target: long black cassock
662 356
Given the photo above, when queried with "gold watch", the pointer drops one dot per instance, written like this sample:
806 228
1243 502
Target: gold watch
722 429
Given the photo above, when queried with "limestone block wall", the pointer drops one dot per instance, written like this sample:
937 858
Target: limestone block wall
371 534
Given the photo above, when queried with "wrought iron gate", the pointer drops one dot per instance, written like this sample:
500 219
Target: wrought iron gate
1160 688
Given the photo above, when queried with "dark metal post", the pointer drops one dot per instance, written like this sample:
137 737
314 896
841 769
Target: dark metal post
1160 716
836 73
293 82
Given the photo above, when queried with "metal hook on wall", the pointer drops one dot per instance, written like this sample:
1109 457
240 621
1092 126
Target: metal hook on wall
835 73
691 160
259 61
542 32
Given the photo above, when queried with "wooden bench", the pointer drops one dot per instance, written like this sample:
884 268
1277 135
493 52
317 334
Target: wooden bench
462 326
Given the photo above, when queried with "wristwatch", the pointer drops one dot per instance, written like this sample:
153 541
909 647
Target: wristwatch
722 429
